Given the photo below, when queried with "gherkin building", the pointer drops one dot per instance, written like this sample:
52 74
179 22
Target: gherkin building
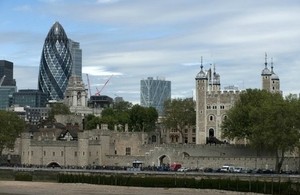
55 64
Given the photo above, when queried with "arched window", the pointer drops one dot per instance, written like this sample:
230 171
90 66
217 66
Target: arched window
211 117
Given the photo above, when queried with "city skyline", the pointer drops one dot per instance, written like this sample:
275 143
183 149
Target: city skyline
133 40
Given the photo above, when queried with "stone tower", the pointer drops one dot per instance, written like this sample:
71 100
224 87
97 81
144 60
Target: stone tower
270 81
266 76
212 103
76 94
275 82
201 93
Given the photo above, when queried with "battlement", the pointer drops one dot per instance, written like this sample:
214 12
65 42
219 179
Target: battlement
223 93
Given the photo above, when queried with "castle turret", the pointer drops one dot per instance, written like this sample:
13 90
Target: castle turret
201 93
275 82
83 148
25 148
266 76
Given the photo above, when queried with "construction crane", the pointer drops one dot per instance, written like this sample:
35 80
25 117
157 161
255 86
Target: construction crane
89 85
2 79
99 91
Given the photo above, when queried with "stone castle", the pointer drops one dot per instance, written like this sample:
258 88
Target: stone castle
212 103
66 144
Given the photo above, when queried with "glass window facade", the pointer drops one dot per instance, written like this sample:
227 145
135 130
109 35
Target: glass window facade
55 64
30 97
154 92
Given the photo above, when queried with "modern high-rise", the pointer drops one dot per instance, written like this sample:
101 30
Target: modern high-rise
30 97
154 92
6 73
56 63
7 84
76 53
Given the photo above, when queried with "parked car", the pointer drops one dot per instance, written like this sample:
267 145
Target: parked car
175 166
183 169
227 168
240 170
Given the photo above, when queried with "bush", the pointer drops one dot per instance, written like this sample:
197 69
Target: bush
23 176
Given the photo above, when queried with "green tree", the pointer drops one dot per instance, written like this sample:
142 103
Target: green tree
58 108
179 114
142 118
118 115
122 106
267 120
10 128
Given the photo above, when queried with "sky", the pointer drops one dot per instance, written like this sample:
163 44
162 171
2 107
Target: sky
136 39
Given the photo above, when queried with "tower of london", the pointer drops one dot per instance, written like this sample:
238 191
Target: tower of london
212 103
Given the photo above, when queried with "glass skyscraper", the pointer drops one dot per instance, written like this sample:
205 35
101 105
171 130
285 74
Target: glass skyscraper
7 84
56 63
154 93
76 53
6 73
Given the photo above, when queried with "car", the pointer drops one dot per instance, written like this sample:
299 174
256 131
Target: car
227 169
183 169
239 170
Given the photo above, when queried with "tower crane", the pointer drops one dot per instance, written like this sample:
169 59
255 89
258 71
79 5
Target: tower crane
89 86
99 91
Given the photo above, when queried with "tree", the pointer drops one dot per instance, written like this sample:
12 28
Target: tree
267 120
10 128
142 118
58 108
179 114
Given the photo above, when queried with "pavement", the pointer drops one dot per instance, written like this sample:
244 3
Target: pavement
47 188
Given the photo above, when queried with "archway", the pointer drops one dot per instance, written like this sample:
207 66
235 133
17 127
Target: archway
164 160
53 165
211 133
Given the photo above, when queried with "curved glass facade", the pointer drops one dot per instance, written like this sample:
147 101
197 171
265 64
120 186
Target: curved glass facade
56 63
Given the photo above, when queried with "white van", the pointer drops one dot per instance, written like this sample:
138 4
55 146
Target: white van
227 168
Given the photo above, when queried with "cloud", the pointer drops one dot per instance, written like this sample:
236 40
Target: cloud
98 71
135 39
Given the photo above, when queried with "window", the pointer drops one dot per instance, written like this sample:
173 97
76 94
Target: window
185 131
128 151
31 153
44 153
193 139
75 154
153 139
61 153
211 117
194 130
53 154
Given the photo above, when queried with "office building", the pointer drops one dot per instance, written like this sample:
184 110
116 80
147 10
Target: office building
30 98
76 53
6 96
6 73
154 92
7 84
55 64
